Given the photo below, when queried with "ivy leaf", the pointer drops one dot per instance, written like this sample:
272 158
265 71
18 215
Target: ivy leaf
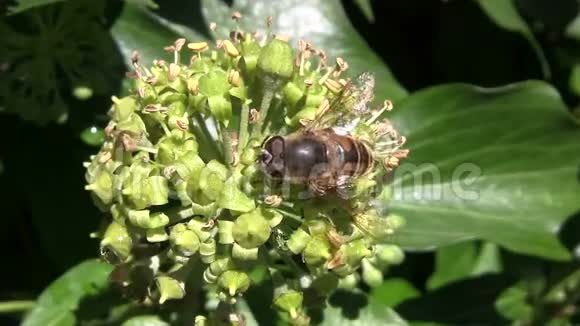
323 23
37 81
505 14
496 164
513 303
139 29
394 291
57 303
463 260
24 5
342 311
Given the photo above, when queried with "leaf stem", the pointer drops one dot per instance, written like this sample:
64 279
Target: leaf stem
16 306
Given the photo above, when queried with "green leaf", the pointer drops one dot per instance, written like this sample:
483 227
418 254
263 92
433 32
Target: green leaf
323 23
145 321
462 260
23 5
57 303
513 303
372 312
366 8
394 291
496 164
505 14
142 30
573 29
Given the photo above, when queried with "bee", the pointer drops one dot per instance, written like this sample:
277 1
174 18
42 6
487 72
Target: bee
324 155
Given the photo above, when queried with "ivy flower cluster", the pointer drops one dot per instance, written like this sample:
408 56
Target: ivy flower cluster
189 212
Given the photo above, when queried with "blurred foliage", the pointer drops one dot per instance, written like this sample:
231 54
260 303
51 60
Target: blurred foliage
509 257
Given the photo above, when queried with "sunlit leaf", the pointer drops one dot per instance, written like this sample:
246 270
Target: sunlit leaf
57 304
496 164
321 22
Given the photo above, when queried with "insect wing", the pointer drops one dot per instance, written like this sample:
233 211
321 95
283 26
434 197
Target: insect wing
347 106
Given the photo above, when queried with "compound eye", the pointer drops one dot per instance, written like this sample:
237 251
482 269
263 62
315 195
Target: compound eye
265 157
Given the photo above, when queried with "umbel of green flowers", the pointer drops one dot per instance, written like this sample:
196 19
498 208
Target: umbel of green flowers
189 211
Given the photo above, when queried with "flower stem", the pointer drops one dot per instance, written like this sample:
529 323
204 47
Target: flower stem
227 145
270 87
16 306
243 133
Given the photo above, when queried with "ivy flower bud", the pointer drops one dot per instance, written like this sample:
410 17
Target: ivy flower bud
184 241
169 288
116 243
389 254
317 251
290 302
234 282
371 274
298 241
251 230
277 59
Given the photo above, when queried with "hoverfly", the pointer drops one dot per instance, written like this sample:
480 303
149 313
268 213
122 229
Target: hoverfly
326 155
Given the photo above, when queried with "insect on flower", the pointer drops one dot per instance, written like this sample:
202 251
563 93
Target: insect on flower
329 152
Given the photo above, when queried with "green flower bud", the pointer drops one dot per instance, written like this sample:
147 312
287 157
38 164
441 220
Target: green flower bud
169 288
308 113
123 108
233 198
221 107
292 93
234 282
355 251
249 156
242 253
156 235
102 185
144 220
200 229
277 58
290 302
225 232
133 124
200 321
116 244
211 179
250 53
251 230
317 251
389 254
371 275
348 282
184 241
298 241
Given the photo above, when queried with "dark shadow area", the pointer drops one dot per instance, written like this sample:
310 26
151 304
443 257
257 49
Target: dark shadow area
467 302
